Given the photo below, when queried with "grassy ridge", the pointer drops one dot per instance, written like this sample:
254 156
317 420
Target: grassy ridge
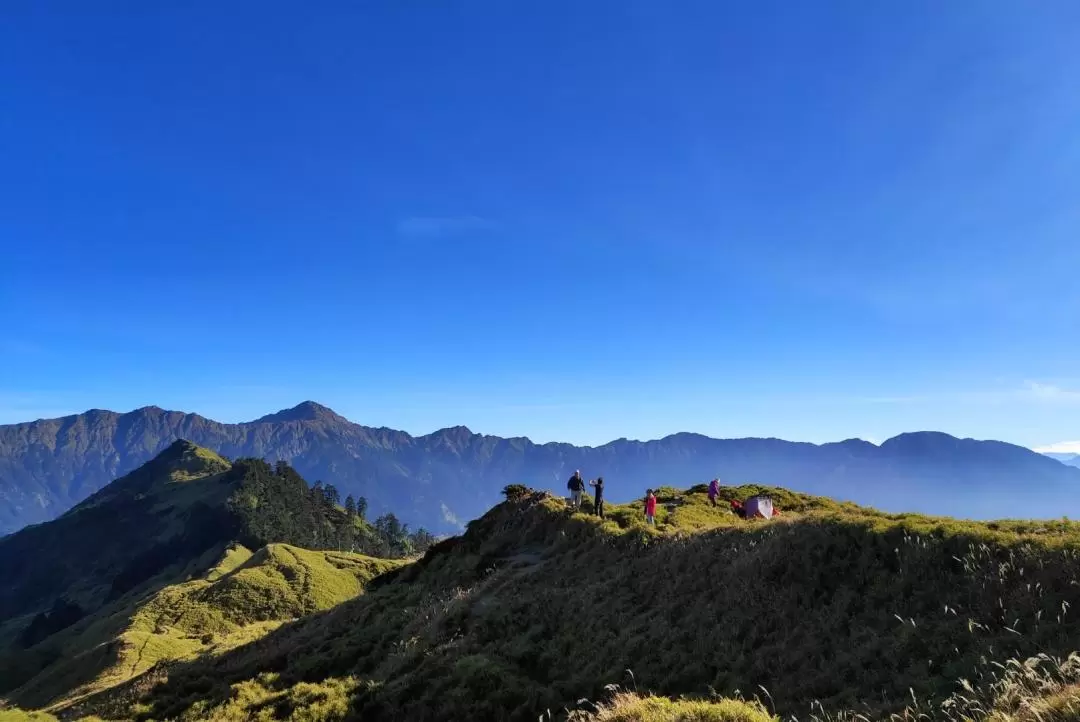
242 597
174 498
830 607
134 574
164 521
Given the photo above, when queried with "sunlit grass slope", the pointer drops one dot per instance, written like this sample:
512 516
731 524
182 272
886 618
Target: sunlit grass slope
18 715
241 598
625 707
827 608
150 569
172 503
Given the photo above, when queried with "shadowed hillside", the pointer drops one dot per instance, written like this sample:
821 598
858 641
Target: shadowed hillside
170 510
154 567
239 599
828 608
443 479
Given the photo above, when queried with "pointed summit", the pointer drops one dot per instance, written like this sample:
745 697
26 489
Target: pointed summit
456 436
178 448
149 411
183 453
306 411
180 461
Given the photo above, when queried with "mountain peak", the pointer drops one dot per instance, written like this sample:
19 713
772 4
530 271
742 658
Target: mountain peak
920 439
458 433
305 411
180 461
183 459
179 447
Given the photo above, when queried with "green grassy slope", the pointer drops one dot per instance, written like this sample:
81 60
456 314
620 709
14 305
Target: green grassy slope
176 497
625 707
828 608
162 522
151 569
239 599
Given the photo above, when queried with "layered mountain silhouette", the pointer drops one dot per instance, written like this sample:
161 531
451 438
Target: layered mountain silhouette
443 479
1067 458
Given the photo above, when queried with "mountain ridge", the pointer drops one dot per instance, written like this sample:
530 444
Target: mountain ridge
1069 459
832 608
314 411
75 586
50 465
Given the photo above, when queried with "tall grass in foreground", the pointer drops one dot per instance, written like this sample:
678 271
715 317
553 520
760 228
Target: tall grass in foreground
18 715
1039 689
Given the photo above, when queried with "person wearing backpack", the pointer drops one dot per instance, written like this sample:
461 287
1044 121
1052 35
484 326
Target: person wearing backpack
576 485
714 491
598 500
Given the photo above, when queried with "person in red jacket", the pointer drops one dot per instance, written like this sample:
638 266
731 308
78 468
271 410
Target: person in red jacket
650 507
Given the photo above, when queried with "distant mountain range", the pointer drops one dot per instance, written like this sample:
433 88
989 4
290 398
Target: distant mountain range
1070 459
443 479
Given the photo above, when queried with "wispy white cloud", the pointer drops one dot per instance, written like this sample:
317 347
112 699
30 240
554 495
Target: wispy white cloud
450 517
908 399
1061 447
443 226
1027 392
1051 393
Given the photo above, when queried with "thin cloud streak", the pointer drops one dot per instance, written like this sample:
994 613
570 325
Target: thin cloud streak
441 227
1061 447
1029 392
1051 393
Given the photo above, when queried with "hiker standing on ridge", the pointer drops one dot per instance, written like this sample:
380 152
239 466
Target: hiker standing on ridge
714 491
598 502
576 485
650 508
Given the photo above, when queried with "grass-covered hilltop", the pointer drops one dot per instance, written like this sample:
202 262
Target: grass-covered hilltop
829 611
187 557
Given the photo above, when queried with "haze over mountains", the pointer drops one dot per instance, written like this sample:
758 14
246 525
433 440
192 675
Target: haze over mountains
1065 458
443 479
198 589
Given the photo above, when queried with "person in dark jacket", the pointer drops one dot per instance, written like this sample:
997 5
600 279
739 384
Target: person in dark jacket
576 485
598 499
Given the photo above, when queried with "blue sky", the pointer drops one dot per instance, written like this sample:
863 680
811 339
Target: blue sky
573 221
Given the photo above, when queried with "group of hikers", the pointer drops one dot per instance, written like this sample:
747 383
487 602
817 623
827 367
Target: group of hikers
577 486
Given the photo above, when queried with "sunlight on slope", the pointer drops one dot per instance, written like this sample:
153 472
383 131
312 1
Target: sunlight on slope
634 708
243 597
536 607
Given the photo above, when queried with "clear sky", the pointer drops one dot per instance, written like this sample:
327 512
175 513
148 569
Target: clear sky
569 220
